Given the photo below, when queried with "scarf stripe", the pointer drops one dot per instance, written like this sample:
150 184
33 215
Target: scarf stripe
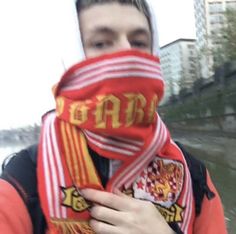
129 141
109 76
47 174
121 68
155 146
54 190
111 69
71 158
76 151
109 141
131 60
91 171
53 173
116 71
52 178
109 147
54 145
68 154
188 205
187 197
132 171
81 157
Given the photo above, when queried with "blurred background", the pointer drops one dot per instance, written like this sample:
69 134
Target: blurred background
198 60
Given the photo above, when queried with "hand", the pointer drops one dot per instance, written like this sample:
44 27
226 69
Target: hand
119 214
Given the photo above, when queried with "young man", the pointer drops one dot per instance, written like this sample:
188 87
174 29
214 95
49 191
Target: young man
105 161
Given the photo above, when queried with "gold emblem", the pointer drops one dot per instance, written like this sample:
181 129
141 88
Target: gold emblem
172 214
74 200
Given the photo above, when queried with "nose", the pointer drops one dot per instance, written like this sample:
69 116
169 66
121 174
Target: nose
124 43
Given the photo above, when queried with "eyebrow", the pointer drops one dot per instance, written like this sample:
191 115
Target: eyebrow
108 30
103 30
141 31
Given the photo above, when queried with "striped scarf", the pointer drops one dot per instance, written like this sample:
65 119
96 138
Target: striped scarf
109 104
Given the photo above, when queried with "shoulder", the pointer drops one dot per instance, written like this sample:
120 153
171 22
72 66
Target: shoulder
28 154
20 170
20 173
212 213
209 209
199 176
17 221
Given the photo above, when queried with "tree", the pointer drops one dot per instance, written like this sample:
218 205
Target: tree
224 41
229 32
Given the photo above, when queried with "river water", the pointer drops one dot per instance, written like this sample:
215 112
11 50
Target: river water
224 179
223 176
219 155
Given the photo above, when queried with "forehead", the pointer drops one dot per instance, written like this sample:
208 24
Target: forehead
119 17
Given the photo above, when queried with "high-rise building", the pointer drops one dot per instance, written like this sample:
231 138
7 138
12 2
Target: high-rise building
178 64
209 19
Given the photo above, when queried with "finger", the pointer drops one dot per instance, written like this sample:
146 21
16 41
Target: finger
119 193
108 199
103 228
108 215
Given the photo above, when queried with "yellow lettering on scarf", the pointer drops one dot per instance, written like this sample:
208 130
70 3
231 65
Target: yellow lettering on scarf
152 109
108 105
79 112
60 106
74 200
135 110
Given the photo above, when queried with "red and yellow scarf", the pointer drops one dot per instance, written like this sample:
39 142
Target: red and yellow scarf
109 104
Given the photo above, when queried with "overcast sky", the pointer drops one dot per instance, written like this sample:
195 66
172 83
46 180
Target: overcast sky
30 61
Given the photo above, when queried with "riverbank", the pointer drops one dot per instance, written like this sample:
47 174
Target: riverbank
218 153
210 146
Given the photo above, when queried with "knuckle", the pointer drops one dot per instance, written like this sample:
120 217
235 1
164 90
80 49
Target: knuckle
96 212
107 199
111 201
147 205
136 206
96 226
130 219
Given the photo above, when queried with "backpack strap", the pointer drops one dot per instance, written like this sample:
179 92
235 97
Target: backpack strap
198 173
26 184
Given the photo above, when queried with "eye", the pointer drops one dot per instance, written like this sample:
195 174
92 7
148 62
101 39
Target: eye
101 44
139 44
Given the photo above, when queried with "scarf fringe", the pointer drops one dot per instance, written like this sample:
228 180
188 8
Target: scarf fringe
72 227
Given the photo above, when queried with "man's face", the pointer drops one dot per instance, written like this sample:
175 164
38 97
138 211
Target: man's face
112 27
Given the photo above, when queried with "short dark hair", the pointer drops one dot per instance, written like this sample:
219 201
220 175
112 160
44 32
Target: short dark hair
141 5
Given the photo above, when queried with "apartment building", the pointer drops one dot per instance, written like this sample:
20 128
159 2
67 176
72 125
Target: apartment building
208 21
178 63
